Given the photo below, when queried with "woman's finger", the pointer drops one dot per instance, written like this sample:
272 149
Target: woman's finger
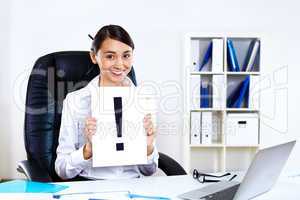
150 131
88 131
91 126
146 117
153 131
150 127
89 122
148 122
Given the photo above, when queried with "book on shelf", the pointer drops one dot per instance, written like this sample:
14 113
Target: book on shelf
195 59
251 55
243 94
217 55
195 128
195 91
232 57
218 82
206 127
205 94
216 128
207 56
254 92
239 95
231 98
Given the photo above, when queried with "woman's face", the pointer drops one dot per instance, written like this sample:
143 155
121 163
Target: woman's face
114 59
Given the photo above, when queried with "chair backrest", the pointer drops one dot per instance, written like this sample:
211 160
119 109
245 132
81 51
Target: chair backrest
53 76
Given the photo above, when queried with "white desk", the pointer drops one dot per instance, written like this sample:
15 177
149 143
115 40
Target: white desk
286 188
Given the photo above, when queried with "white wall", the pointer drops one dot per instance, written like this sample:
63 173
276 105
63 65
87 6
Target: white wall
5 96
34 28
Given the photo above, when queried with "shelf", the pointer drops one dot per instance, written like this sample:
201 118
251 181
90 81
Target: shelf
244 155
222 145
207 73
206 160
225 73
198 36
212 123
246 146
206 109
207 145
243 73
242 109
226 109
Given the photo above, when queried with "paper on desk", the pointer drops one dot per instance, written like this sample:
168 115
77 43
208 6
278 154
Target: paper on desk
133 139
111 195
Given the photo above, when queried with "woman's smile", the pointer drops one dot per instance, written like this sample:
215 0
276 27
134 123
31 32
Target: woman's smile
117 73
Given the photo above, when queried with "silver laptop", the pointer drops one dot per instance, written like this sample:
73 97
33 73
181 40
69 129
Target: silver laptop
260 177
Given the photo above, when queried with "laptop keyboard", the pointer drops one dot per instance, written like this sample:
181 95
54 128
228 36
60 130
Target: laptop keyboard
226 194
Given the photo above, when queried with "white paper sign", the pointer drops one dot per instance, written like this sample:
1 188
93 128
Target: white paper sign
129 147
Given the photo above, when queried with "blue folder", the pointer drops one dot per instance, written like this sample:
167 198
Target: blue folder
207 56
231 99
248 55
205 97
231 57
243 94
235 99
138 196
23 186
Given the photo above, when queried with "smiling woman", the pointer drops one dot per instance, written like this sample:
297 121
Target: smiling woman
112 50
115 60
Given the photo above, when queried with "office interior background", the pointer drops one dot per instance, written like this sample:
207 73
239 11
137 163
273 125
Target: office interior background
30 29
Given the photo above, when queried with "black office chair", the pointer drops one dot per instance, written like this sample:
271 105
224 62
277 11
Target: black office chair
52 77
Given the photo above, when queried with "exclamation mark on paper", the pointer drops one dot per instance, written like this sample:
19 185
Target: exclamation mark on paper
118 118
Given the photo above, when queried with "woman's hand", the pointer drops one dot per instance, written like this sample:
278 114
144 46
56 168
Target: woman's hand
89 131
150 130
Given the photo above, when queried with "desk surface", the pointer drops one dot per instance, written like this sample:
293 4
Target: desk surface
171 186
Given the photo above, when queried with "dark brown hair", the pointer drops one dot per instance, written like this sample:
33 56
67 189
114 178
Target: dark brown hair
114 32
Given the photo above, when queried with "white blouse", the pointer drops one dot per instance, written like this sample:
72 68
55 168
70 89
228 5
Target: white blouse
70 162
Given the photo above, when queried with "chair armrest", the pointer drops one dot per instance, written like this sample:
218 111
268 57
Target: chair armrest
33 171
169 166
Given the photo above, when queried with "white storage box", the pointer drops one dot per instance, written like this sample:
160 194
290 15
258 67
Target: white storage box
242 129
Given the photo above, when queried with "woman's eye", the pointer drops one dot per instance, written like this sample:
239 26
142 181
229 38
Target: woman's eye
109 56
127 56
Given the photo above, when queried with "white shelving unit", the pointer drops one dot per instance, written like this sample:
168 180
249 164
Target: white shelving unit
220 155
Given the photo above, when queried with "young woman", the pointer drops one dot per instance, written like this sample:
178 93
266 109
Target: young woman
112 50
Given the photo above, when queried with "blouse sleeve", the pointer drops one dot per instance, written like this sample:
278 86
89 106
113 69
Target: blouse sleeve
152 163
69 162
